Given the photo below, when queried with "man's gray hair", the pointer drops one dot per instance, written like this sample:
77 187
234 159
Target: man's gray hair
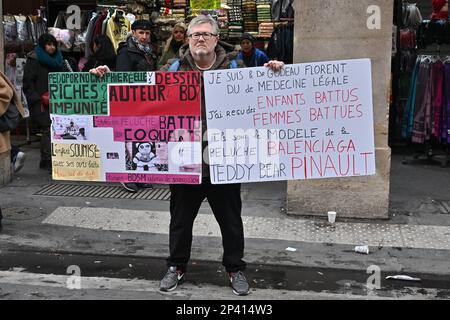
201 20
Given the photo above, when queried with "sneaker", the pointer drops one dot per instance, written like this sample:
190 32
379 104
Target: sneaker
131 187
19 161
238 283
173 277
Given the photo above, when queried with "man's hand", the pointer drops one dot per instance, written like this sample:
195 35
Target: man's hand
100 71
274 65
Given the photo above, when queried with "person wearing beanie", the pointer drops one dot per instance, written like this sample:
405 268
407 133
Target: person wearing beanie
440 10
45 58
174 43
136 54
252 57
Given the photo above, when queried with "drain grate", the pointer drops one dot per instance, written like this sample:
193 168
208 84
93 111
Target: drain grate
444 207
110 192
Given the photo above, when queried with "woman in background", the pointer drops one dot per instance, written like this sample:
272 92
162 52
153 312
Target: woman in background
173 44
45 58
104 54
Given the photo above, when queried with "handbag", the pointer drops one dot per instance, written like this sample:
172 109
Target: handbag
45 101
10 119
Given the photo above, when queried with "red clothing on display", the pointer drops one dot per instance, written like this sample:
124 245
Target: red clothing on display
438 13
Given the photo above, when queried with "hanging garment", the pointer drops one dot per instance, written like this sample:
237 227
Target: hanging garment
446 109
437 87
118 28
407 39
89 35
422 103
281 44
22 28
105 23
9 28
412 17
98 25
409 108
282 9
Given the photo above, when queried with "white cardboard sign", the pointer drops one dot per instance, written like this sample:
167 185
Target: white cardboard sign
309 121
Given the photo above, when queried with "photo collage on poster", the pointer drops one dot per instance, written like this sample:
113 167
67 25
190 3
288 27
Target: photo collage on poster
147 130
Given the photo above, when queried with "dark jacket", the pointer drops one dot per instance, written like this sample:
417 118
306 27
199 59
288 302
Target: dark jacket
225 53
94 62
35 83
281 44
130 58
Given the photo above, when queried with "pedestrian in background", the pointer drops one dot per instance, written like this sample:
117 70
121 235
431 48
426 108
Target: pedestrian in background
252 57
136 54
104 54
173 44
9 100
45 58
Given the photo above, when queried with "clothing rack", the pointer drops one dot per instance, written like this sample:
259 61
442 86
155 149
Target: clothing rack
431 150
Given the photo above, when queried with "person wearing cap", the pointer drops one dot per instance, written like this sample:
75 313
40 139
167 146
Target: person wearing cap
440 10
252 57
136 53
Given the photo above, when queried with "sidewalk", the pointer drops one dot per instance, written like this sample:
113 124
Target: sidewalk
415 241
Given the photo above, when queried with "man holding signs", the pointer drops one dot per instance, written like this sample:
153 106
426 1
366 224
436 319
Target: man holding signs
205 52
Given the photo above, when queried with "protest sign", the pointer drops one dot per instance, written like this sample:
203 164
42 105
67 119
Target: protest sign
309 121
126 127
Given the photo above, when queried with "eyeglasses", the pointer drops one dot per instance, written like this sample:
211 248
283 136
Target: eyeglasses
205 35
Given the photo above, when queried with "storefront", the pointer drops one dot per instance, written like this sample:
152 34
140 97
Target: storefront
269 21
420 82
75 23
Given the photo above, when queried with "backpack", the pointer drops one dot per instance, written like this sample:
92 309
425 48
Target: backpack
176 65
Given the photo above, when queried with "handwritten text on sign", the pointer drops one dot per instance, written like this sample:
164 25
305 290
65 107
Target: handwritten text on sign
126 127
308 121
76 162
82 93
